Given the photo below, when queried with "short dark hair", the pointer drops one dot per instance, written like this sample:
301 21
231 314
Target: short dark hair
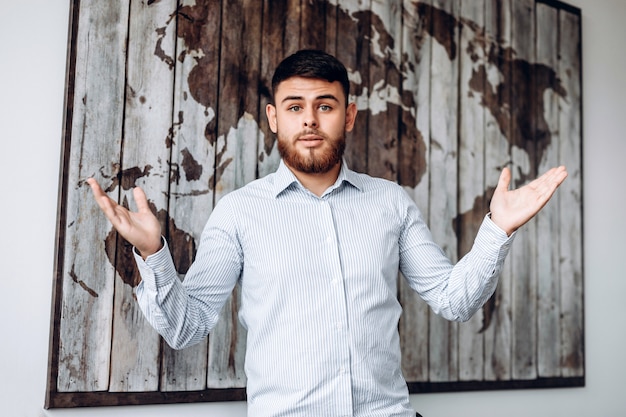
312 63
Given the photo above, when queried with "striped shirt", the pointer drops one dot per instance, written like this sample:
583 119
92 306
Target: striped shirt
318 282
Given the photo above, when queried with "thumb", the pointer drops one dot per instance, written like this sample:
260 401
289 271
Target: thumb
504 181
141 200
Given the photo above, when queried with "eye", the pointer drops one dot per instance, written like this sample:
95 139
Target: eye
294 108
325 107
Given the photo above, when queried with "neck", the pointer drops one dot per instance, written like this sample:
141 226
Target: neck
319 182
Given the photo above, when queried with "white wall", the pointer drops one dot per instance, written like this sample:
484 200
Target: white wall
33 38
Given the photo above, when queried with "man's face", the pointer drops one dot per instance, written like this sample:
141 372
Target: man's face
310 120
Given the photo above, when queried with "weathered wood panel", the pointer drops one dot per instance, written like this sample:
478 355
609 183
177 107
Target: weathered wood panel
354 52
236 161
292 28
471 156
523 254
313 25
444 96
448 93
497 311
414 158
272 52
384 89
570 208
86 310
192 141
548 276
149 85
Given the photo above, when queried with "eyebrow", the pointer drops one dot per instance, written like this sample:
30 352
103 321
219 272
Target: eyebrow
322 97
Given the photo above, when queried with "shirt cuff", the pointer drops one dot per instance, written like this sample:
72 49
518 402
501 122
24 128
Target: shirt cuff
494 238
491 224
157 270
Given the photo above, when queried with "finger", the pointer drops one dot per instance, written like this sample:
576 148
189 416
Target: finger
504 181
547 184
560 174
141 200
95 187
556 176
106 204
99 195
551 180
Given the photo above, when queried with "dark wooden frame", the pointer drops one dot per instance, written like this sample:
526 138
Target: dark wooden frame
58 399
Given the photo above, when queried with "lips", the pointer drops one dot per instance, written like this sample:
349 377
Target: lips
310 139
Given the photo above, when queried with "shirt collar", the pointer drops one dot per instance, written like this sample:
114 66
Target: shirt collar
284 178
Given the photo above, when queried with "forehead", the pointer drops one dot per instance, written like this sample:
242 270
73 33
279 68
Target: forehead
308 89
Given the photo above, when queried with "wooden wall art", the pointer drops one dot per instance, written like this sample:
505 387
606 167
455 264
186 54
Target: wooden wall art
170 95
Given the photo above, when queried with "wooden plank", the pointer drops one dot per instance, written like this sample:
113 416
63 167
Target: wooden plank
384 89
443 340
570 210
293 27
313 24
413 172
497 311
147 120
472 202
524 252
353 34
413 175
273 52
548 297
87 297
236 165
193 137
330 29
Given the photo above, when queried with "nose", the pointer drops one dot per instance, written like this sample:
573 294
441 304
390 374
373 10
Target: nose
310 120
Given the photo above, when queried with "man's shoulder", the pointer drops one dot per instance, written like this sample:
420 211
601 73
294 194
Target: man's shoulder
370 183
255 189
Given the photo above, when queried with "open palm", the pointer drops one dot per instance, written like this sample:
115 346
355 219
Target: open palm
141 228
510 209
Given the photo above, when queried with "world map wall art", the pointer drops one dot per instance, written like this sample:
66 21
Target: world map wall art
170 96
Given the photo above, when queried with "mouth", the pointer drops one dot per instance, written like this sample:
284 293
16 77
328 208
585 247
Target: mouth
310 139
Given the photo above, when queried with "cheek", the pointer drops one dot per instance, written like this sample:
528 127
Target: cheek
286 127
335 130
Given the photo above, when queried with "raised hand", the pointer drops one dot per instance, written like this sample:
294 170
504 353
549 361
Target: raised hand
510 209
141 228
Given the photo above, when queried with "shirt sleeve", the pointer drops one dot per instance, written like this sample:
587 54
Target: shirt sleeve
185 311
454 291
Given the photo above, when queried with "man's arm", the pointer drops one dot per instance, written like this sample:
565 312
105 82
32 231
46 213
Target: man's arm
457 291
183 313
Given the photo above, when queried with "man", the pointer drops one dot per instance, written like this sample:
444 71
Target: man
317 249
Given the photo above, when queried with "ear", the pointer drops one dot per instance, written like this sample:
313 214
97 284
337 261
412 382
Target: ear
351 112
270 111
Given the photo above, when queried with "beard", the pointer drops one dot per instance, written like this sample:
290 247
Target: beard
313 160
